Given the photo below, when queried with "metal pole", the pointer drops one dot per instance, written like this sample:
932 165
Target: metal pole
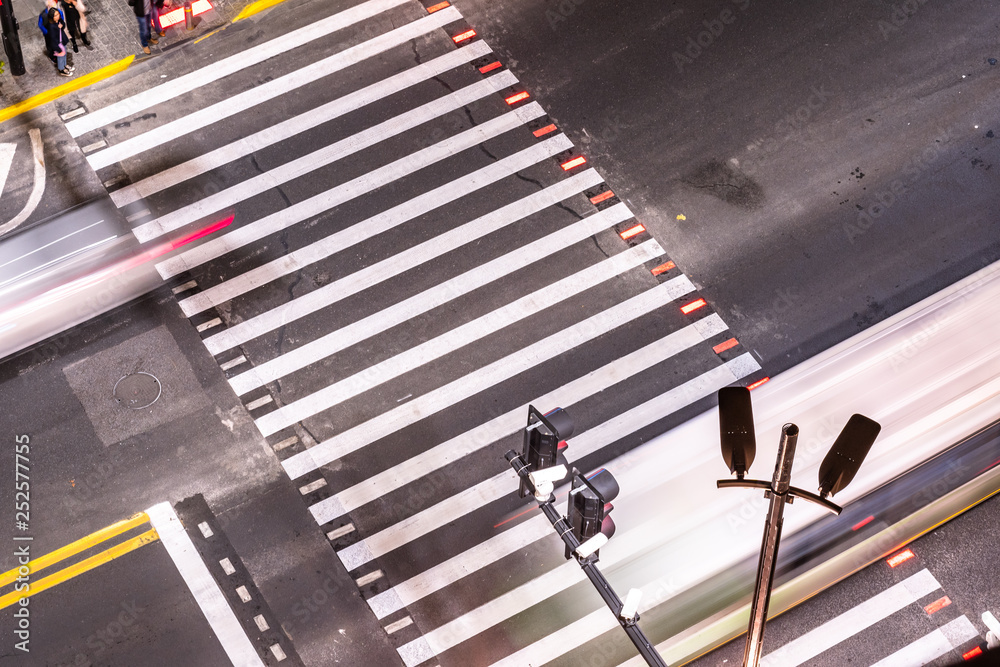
769 547
11 41
603 586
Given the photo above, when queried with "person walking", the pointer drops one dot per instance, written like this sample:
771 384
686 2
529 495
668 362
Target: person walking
143 10
55 41
76 22
157 10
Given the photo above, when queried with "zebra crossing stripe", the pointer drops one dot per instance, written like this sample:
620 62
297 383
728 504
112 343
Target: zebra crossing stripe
223 68
314 252
853 621
480 495
485 434
296 125
397 215
933 645
346 191
465 334
277 87
484 378
472 279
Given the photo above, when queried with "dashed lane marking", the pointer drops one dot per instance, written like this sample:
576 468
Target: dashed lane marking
203 587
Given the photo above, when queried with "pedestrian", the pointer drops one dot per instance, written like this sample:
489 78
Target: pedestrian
43 21
76 22
55 41
157 10
143 10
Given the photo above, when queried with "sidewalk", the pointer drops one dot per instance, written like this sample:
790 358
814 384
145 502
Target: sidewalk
113 35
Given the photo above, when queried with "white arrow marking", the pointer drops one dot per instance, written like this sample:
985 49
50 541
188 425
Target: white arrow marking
39 188
6 158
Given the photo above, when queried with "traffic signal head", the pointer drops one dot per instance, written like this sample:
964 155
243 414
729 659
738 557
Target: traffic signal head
848 452
542 437
739 445
590 506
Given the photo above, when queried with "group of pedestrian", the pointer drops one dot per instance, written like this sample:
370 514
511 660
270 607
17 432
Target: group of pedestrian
63 22
61 27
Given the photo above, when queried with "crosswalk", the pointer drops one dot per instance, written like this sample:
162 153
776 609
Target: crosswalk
418 252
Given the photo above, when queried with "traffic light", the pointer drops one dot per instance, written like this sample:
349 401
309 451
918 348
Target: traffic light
739 445
841 463
542 438
590 506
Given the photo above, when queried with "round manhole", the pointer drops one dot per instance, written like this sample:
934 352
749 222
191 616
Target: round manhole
137 391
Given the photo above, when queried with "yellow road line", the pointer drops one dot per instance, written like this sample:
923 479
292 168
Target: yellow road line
74 548
79 568
256 7
65 89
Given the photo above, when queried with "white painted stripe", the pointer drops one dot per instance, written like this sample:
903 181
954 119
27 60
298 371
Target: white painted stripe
258 95
418 304
933 645
397 215
486 377
37 188
398 625
226 66
625 545
465 334
323 248
346 191
507 424
203 587
297 124
480 495
321 298
6 159
853 621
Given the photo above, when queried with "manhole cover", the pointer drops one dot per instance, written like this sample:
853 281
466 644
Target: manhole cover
137 391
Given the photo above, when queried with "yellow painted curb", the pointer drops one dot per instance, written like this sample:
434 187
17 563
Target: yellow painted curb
65 89
256 7
79 568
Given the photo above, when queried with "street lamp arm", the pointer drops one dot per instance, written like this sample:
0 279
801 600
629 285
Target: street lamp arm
819 500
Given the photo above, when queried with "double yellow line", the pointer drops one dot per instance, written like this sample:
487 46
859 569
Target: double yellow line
70 550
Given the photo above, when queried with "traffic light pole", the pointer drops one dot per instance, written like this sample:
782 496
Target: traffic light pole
11 42
588 564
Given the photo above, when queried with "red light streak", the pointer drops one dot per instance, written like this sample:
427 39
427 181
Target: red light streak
758 383
861 524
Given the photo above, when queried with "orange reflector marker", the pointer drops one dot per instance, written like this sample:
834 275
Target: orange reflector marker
604 196
438 7
938 605
514 99
496 64
632 231
725 345
758 383
575 162
969 655
464 36
861 524
693 306
662 268
900 558
545 130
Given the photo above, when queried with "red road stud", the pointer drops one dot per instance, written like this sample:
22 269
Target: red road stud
514 99
604 196
464 36
632 231
575 162
693 306
725 345
541 132
758 383
662 268
438 7
489 68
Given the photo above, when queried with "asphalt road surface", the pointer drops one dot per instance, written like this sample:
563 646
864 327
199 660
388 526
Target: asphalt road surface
418 252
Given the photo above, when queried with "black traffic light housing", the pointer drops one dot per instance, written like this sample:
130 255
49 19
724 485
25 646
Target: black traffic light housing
739 444
841 463
590 506
542 437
